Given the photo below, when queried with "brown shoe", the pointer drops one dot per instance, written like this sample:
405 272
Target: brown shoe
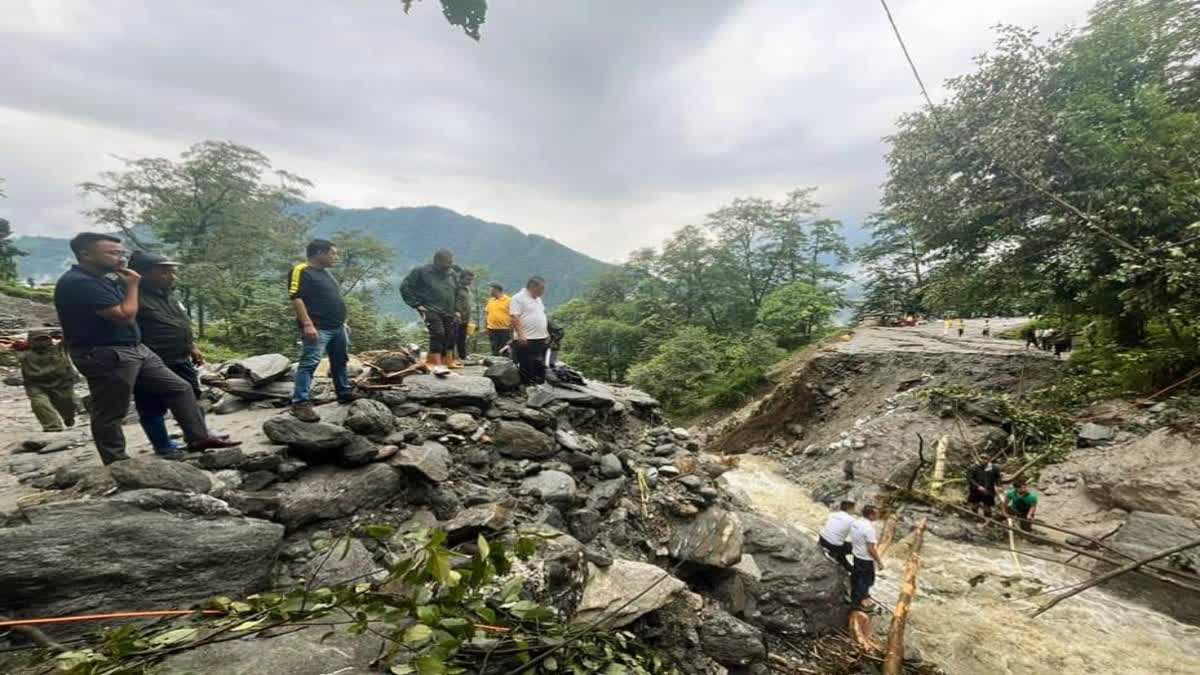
305 412
212 443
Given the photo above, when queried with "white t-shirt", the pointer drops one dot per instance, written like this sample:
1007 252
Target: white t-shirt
862 532
837 527
532 314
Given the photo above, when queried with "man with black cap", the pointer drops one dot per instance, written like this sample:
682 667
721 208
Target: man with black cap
167 331
99 322
49 380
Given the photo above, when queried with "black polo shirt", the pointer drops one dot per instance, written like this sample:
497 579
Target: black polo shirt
321 295
78 295
166 327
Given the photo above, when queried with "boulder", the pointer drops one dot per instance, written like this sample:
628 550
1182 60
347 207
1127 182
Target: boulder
713 537
573 442
310 436
730 641
452 390
357 452
151 472
518 440
613 593
610 466
504 374
229 404
462 423
310 651
348 561
484 518
430 460
140 549
606 494
370 418
553 487
261 369
1143 535
585 524
1091 434
273 391
1156 473
326 492
219 458
590 395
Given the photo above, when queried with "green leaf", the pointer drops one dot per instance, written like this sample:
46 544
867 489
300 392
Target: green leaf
428 614
484 549
402 669
550 664
378 531
431 665
173 637
417 635
250 625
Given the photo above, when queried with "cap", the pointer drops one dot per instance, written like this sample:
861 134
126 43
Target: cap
496 286
142 261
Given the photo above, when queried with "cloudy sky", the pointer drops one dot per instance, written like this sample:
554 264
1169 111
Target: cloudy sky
604 124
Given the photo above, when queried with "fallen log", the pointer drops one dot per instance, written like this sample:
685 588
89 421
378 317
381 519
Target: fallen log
893 660
1099 579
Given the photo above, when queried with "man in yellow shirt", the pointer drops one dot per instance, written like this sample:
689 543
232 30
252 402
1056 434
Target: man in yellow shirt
498 322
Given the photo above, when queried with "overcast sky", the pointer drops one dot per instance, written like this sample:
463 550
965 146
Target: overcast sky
604 124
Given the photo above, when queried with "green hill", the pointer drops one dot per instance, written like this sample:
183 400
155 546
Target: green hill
509 255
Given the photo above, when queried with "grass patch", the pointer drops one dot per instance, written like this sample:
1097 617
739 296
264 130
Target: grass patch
43 295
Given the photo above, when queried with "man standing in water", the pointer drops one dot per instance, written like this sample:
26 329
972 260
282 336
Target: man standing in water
982 479
864 548
1022 503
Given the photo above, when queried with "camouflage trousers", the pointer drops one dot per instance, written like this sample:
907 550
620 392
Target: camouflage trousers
54 407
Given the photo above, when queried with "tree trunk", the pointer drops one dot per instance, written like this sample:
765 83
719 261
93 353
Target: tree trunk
893 660
200 317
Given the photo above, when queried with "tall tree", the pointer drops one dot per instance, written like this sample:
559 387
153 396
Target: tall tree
8 253
466 14
364 262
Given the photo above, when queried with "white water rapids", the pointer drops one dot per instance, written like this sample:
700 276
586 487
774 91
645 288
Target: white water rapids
963 621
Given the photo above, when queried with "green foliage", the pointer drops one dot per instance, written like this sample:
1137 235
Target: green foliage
8 253
219 353
466 14
45 295
796 312
1033 428
445 611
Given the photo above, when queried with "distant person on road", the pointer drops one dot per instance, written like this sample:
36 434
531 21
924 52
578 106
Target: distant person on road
987 328
167 331
1029 335
835 536
432 290
1022 503
982 480
464 305
864 549
321 314
49 380
531 331
497 320
945 327
99 321
962 327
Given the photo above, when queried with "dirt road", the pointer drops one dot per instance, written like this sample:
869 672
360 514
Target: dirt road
934 338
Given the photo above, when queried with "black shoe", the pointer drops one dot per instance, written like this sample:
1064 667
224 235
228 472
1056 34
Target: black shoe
305 412
212 443
346 399
171 456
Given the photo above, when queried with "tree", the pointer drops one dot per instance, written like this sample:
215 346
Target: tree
8 253
605 347
364 262
796 312
680 369
467 14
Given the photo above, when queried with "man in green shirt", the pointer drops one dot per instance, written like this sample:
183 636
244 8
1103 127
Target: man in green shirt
1021 502
49 380
432 290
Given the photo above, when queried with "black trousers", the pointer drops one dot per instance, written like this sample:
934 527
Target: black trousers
443 332
152 406
499 338
840 553
460 339
862 578
531 360
114 375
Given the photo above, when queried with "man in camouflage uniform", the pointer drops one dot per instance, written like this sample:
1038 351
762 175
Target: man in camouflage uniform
50 381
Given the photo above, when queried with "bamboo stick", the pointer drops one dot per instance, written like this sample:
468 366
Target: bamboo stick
893 660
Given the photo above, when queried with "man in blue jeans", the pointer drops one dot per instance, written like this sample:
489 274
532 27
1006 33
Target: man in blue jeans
321 313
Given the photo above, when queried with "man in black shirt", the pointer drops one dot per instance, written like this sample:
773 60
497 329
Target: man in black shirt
321 313
982 479
99 321
167 331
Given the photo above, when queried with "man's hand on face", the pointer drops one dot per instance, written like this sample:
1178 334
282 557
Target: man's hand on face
127 275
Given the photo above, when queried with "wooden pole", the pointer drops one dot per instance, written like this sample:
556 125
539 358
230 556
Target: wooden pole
1117 572
939 465
893 660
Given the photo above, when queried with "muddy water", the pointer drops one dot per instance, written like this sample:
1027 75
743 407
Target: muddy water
971 615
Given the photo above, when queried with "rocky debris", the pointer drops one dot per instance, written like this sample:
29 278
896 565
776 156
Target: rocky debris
261 369
370 418
504 374
129 553
326 493
340 561
430 460
610 466
454 389
306 436
610 592
519 440
1143 535
483 518
713 537
358 451
230 404
279 392
311 651
388 361
1156 473
462 423
552 487
134 474
591 395
730 641
1092 434
220 458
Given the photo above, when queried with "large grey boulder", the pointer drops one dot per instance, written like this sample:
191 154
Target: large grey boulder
151 472
613 592
311 651
370 418
730 641
1095 434
553 487
521 441
1156 473
140 549
430 460
326 492
713 537
310 436
261 369
454 389
1143 535
783 584
504 374
590 395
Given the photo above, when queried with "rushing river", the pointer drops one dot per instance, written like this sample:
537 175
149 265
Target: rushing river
971 614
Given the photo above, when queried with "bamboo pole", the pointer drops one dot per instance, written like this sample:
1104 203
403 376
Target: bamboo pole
939 465
893 660
1094 581
1012 547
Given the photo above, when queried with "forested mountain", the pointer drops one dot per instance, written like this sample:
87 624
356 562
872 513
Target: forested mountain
413 234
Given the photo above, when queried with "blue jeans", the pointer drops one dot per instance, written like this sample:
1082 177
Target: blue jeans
335 342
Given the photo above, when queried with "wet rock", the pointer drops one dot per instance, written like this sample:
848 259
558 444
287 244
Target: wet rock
1092 434
430 460
261 369
453 390
90 479
258 504
611 593
358 451
554 487
484 518
326 492
1143 535
730 641
504 374
610 466
578 461
134 474
290 469
585 524
261 458
462 423
693 483
591 395
1155 473
571 441
606 494
370 418
407 409
114 554
306 436
219 458
518 440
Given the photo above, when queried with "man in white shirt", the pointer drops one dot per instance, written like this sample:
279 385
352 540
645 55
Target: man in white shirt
835 536
531 331
863 541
